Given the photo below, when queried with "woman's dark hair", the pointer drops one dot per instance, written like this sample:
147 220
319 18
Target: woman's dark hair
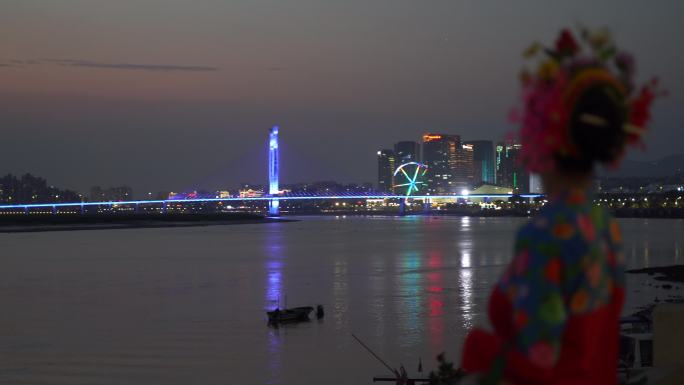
596 129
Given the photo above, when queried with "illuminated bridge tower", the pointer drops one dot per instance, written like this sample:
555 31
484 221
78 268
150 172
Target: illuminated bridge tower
273 169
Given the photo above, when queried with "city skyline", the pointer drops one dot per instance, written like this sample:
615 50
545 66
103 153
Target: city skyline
235 186
173 96
463 166
341 192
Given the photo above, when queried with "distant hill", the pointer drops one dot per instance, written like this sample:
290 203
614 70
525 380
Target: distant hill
668 166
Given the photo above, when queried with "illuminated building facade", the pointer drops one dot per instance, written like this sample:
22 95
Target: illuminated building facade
536 186
440 153
386 166
483 162
250 193
463 172
273 170
509 171
406 151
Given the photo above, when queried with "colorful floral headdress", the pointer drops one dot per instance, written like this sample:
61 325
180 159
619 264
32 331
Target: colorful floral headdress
563 74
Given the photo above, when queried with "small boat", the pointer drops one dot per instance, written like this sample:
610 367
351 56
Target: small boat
636 349
319 312
294 314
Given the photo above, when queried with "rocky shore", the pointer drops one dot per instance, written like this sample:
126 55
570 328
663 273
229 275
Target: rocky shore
674 273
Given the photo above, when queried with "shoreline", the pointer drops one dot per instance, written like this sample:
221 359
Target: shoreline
664 283
513 213
33 224
21 223
672 273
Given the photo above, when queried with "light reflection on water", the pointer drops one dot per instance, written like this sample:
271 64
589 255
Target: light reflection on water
465 277
193 309
435 289
274 287
378 282
676 251
466 280
274 283
410 297
465 258
340 292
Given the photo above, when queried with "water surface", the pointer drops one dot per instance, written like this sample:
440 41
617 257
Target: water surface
186 305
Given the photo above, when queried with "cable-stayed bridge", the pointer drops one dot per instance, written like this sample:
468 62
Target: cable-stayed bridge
273 197
266 198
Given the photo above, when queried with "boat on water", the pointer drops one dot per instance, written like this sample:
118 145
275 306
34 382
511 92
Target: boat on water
295 314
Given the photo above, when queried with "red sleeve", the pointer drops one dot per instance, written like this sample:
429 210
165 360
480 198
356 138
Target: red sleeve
501 314
483 348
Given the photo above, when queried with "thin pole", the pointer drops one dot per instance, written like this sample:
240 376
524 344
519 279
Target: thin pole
394 372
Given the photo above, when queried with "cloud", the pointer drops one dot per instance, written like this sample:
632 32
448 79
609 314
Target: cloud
23 62
13 63
138 67
122 66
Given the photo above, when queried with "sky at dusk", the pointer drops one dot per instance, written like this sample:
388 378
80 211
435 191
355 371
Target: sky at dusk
177 95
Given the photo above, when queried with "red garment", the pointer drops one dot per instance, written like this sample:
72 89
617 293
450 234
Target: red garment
588 355
555 311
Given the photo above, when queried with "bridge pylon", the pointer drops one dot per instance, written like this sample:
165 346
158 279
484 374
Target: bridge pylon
273 172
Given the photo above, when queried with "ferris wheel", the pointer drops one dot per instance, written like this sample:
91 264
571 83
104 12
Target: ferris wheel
409 178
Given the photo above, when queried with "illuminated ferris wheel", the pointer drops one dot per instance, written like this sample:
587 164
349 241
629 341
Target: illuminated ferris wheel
409 178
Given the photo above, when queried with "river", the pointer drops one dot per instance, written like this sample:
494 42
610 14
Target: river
186 305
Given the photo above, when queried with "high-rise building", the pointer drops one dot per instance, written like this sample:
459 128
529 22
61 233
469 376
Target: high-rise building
463 172
498 158
386 166
440 152
483 162
503 166
509 171
536 186
406 151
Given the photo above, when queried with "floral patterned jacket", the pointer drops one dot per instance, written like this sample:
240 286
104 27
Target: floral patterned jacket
555 311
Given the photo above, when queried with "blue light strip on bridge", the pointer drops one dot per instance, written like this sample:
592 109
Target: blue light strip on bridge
264 198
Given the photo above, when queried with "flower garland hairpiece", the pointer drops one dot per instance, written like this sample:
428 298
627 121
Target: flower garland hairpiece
564 72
